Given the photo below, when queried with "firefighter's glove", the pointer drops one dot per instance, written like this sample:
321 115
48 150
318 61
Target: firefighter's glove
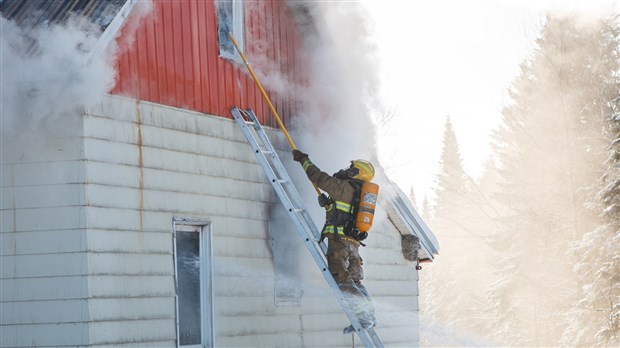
324 200
299 156
362 235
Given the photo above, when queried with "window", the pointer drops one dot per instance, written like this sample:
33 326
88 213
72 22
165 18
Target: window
229 19
193 276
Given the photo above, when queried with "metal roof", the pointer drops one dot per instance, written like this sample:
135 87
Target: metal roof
35 13
406 219
108 15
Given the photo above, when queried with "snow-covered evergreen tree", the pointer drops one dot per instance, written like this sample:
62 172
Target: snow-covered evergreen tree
550 149
451 180
456 283
594 319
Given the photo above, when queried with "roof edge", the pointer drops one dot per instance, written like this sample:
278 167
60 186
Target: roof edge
112 29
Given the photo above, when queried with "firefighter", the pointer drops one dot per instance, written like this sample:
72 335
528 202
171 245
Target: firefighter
343 258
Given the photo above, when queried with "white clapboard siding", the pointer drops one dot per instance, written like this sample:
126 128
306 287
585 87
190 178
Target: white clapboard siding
67 311
391 287
39 196
113 174
240 227
384 239
243 247
41 173
44 334
130 285
129 264
146 331
42 242
44 288
332 338
396 303
257 324
401 336
289 339
40 147
129 241
146 164
317 322
383 256
87 225
42 265
242 286
110 309
44 219
237 306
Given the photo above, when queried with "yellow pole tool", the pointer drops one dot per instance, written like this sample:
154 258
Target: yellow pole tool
262 90
266 97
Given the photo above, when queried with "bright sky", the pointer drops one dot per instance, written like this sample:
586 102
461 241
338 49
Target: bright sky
442 58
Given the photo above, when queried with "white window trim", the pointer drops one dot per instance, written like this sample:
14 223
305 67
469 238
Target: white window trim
203 227
237 31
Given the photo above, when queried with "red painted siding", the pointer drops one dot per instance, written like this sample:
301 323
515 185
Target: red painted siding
173 58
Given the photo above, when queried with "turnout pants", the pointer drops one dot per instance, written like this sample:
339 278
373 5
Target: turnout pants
345 265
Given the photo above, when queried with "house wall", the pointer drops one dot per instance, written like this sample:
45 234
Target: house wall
171 57
147 163
87 248
393 284
43 253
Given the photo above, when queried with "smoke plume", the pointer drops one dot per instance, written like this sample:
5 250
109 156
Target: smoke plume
46 81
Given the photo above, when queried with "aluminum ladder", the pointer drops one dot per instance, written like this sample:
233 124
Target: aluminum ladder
290 198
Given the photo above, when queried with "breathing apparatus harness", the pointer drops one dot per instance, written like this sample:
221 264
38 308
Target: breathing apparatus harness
344 213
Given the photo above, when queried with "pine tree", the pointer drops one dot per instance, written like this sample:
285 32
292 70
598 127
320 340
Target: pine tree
550 150
451 180
595 317
456 282
440 281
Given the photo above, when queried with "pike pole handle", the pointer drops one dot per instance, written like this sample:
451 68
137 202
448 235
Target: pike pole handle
262 90
266 97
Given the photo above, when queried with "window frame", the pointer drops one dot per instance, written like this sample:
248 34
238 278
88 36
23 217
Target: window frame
203 227
237 30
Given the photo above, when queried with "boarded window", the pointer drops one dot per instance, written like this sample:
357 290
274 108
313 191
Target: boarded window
287 251
229 19
192 251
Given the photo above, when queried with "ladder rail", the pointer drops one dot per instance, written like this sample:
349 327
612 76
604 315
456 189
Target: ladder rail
293 204
290 201
280 171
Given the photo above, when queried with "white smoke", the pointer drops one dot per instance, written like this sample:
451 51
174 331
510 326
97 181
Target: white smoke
336 124
46 81
337 120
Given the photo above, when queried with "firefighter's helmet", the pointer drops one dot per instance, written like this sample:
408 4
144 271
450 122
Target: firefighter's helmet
362 169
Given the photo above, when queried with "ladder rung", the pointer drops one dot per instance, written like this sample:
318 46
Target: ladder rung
281 181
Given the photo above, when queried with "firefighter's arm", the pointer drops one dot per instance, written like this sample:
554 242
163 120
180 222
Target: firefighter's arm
323 180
